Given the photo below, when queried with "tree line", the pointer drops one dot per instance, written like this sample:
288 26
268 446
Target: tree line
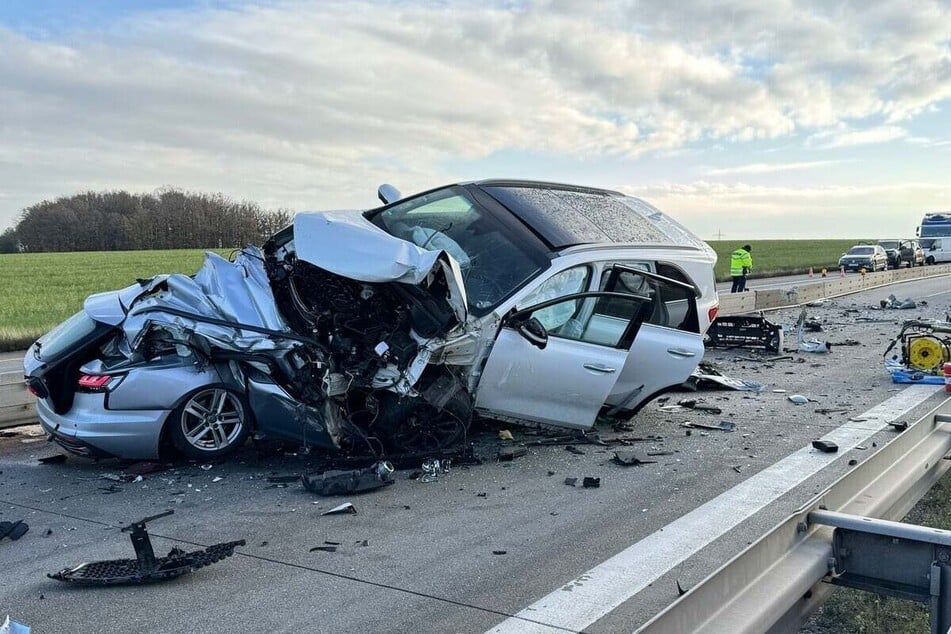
118 220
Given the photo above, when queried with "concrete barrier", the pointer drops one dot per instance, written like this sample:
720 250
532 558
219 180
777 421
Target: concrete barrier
17 406
795 294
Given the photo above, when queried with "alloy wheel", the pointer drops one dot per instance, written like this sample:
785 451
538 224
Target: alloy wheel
212 419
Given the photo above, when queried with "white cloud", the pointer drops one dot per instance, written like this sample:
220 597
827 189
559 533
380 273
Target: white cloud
769 168
312 105
745 211
879 134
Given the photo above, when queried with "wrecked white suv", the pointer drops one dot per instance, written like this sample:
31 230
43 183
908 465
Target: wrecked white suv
387 331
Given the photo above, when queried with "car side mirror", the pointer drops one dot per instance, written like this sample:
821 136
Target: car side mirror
388 194
533 331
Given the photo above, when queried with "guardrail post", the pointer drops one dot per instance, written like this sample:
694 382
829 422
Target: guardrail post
905 561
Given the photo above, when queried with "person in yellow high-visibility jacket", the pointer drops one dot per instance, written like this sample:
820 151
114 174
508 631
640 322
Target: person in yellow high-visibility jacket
741 263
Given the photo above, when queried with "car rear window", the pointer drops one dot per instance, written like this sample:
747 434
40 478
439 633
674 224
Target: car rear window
64 336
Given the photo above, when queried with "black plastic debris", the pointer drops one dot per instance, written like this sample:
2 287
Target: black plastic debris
571 481
690 403
13 530
899 425
507 454
830 410
346 482
853 462
745 331
499 552
144 468
574 450
146 567
591 483
325 549
629 459
724 425
825 446
343 509
54 459
283 479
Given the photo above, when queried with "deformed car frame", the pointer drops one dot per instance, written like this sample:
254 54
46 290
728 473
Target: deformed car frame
388 330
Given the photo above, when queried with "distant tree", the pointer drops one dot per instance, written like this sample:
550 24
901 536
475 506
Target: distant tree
8 241
168 218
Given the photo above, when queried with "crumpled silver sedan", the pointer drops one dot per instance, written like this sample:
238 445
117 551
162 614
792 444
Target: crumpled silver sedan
387 331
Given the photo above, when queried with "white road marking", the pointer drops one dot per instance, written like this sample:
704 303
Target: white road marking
596 593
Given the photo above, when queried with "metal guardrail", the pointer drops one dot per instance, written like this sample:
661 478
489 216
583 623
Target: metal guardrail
776 583
17 406
800 292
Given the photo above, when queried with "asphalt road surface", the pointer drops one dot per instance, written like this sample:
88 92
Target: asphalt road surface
570 558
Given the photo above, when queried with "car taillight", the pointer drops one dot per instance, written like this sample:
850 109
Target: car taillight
96 382
712 313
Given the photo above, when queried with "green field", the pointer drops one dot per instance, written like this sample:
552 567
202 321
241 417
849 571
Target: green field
38 290
777 257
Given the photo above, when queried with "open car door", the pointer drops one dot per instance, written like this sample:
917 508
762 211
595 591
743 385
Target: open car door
557 362
669 344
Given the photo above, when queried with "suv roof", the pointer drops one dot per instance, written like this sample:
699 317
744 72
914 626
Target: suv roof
569 215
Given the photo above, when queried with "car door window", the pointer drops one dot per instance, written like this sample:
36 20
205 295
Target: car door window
673 305
606 319
567 282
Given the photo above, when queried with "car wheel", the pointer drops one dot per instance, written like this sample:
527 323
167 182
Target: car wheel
212 422
930 260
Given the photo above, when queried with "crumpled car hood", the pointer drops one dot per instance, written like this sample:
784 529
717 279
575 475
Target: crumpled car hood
349 245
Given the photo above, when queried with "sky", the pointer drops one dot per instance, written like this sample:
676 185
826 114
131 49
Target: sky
745 119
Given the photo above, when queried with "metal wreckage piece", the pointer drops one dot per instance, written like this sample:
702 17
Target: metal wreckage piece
146 567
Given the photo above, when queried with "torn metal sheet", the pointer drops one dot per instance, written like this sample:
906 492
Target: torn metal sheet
809 345
898 304
706 377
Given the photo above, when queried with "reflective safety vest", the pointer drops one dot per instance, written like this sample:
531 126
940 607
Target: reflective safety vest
739 260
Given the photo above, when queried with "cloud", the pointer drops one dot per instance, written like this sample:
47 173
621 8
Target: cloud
313 104
879 134
742 210
769 168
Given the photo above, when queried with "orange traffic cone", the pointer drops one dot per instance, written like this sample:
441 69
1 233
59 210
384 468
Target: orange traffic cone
841 271
810 272
823 273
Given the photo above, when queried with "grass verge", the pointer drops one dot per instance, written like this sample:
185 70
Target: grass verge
783 257
39 290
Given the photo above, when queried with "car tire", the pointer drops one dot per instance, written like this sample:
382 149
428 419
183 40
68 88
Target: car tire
211 422
930 260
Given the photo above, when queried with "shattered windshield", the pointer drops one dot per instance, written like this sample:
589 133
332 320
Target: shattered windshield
493 260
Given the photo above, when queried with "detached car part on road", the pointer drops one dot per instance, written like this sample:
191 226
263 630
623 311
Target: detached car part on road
387 331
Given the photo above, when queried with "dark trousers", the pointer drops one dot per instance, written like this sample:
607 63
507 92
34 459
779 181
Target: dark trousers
739 284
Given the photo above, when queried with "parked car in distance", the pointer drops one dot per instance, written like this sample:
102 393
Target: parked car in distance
870 257
903 252
385 332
